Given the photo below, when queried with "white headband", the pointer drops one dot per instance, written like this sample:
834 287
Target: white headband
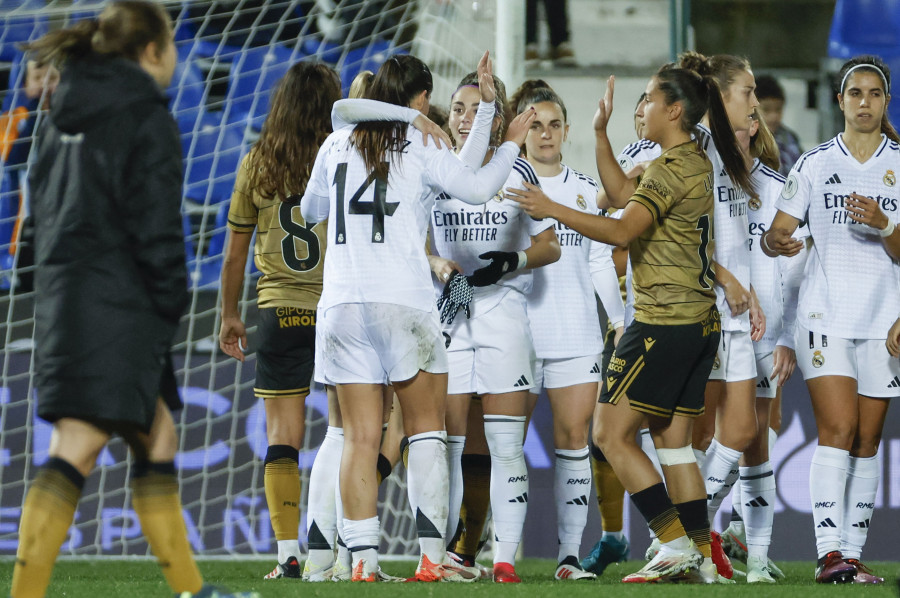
868 66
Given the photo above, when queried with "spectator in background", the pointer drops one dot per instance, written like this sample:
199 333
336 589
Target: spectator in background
771 104
561 52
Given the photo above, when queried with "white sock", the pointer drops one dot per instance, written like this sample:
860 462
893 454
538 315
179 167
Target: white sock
757 500
361 537
321 514
720 472
455 446
737 508
509 483
573 487
827 484
288 549
700 457
343 549
427 485
650 450
863 476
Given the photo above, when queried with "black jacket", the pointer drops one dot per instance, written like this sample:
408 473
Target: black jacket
110 280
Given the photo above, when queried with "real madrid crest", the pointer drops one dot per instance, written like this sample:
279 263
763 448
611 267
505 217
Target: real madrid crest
716 363
818 360
754 203
499 197
581 203
889 178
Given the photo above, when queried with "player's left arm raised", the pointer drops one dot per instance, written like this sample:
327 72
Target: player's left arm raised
866 210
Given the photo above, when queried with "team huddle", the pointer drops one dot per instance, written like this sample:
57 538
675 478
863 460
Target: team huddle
436 284
464 282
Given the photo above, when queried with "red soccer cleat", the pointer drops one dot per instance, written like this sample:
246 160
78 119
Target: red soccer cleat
863 573
505 573
723 564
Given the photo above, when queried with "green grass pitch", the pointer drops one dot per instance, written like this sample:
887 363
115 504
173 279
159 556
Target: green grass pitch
142 579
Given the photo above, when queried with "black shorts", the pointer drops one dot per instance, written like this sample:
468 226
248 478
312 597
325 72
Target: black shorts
663 369
286 338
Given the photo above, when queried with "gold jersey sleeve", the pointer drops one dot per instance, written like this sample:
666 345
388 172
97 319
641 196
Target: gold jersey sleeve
671 261
288 252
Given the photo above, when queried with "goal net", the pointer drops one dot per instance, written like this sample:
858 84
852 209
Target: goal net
230 55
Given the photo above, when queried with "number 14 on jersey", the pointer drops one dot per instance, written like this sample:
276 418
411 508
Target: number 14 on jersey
378 208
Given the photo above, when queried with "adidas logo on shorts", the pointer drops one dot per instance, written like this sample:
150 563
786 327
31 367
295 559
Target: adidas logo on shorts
595 369
522 381
895 383
764 383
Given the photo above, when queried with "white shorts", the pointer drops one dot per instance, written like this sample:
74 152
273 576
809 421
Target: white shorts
319 369
735 359
492 353
765 387
866 360
379 343
566 371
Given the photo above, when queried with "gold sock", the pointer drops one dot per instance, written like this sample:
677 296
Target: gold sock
155 500
476 501
610 495
667 526
282 481
48 512
694 518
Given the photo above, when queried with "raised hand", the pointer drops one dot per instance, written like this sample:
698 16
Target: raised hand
486 78
605 106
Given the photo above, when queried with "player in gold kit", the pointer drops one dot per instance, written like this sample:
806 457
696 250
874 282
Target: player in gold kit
668 227
290 254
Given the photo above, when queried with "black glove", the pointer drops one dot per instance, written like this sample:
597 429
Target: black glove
457 294
502 262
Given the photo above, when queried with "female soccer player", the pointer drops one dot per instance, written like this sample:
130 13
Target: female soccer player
661 364
376 184
290 256
562 313
845 190
110 284
754 497
490 353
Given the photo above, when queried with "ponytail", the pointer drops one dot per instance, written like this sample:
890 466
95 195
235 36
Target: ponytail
59 46
723 138
888 129
764 146
124 28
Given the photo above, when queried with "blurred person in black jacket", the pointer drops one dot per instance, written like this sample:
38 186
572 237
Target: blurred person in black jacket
111 284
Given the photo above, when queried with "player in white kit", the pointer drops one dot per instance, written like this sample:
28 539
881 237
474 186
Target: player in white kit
731 392
375 183
562 312
753 499
490 352
846 189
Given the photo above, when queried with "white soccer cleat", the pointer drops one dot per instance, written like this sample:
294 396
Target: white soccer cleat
708 573
317 574
667 565
340 571
758 571
570 569
652 550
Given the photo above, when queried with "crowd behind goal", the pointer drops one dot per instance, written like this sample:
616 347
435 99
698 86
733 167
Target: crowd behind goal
437 267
